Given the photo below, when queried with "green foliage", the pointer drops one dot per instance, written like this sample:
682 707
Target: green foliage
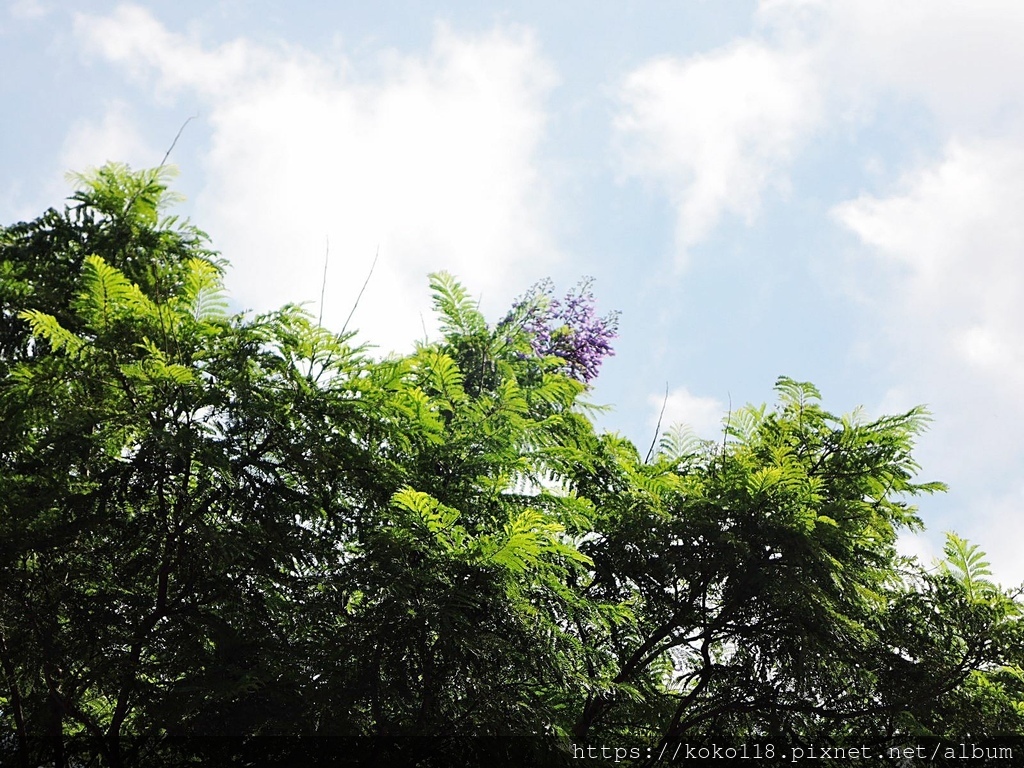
966 564
458 312
47 328
231 540
116 192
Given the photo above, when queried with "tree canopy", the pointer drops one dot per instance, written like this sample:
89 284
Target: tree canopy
237 539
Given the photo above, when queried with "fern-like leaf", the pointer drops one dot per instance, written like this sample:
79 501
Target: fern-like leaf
796 393
529 539
204 292
443 375
459 313
440 521
966 563
108 293
59 338
743 422
679 442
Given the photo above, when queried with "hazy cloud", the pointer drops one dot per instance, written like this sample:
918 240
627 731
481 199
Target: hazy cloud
960 60
953 235
114 137
433 160
715 130
718 129
28 9
948 303
702 414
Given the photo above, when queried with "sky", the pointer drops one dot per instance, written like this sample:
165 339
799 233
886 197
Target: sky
829 190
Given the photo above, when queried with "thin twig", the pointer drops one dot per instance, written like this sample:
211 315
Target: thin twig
167 154
365 283
323 282
134 197
177 136
657 428
728 423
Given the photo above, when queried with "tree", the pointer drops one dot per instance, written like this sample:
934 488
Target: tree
240 540
770 603
219 530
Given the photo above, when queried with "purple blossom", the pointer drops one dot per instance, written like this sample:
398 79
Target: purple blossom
568 328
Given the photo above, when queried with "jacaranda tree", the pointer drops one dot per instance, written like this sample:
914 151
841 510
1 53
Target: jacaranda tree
229 539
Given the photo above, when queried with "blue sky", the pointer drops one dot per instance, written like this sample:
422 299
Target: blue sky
825 189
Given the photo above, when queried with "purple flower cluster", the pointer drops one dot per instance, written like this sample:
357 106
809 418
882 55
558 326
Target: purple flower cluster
568 328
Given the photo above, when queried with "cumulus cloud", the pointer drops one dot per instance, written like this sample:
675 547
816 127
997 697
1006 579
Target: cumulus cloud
114 137
998 528
953 234
150 53
701 414
959 60
715 130
718 129
949 238
992 520
28 10
433 159
942 236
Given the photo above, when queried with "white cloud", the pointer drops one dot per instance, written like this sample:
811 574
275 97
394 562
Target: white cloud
996 524
115 137
434 160
992 521
715 130
943 241
12 204
112 135
28 10
948 301
960 60
133 38
954 238
920 546
702 414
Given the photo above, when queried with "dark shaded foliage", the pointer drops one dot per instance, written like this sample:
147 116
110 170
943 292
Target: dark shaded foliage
235 540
